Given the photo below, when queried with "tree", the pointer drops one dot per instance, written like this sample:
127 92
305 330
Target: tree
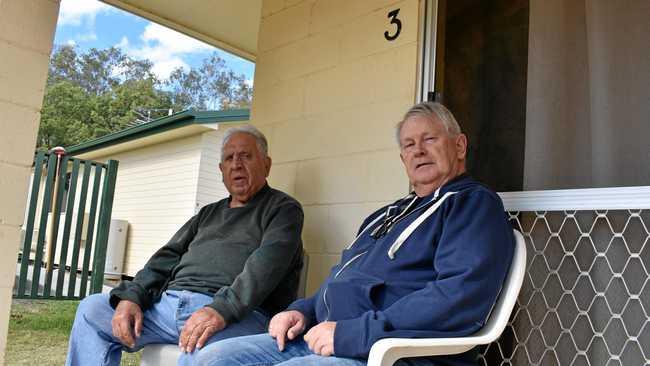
94 93
211 86
65 115
97 92
97 71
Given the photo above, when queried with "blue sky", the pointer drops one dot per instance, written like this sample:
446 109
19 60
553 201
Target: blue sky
90 23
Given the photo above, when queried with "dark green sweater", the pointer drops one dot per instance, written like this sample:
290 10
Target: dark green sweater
246 257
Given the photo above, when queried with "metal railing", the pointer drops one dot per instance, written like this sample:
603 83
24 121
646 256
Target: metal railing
72 267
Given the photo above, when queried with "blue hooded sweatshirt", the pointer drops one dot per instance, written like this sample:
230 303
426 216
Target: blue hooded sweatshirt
435 273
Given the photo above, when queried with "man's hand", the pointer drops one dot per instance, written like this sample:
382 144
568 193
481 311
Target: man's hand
199 328
287 324
320 339
127 322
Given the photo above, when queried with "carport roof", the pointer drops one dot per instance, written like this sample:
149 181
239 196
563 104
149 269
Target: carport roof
231 25
174 121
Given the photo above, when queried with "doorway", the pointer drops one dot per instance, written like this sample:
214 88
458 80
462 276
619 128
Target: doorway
474 60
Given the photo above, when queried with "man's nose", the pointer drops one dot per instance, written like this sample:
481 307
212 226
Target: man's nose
237 162
418 149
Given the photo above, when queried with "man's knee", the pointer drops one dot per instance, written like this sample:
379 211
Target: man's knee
231 351
95 307
212 354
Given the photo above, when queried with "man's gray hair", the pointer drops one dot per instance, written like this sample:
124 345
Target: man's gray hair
433 111
260 139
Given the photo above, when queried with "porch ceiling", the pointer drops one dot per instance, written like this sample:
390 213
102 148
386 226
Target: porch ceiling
231 25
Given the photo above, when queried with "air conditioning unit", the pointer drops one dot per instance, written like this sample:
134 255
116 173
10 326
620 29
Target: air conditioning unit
115 249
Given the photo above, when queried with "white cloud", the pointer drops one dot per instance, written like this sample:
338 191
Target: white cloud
170 40
164 47
86 37
164 68
76 12
124 43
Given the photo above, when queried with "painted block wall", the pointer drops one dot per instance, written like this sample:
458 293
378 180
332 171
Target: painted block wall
26 34
329 89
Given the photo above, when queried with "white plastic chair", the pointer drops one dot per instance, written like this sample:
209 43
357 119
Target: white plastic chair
388 350
167 354
160 355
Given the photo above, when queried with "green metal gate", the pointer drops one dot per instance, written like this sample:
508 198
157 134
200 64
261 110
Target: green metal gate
60 242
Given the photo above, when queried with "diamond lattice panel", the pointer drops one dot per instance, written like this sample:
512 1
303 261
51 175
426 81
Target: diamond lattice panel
586 295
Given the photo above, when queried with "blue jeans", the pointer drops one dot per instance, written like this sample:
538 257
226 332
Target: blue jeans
92 341
262 350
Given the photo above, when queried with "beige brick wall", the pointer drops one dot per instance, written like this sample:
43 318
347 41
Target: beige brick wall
26 33
328 90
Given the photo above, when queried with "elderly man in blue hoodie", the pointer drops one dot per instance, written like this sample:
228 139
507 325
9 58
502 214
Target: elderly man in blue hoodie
429 265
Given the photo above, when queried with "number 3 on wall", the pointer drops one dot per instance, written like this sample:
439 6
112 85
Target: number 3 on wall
398 23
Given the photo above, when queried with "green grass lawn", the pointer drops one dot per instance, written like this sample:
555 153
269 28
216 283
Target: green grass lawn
39 330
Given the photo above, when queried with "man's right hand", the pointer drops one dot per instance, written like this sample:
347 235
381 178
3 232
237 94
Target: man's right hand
127 322
286 325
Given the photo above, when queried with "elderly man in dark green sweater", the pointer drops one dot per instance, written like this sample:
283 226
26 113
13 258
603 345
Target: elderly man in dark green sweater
223 274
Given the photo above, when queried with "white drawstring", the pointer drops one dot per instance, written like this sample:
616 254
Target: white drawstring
373 222
366 228
411 228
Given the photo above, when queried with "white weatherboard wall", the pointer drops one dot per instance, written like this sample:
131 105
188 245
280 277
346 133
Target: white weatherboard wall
329 89
155 187
26 33
159 187
155 191
210 186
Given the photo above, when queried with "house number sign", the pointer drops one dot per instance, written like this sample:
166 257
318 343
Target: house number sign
392 15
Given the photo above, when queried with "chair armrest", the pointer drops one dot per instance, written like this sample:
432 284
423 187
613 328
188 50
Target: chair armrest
388 350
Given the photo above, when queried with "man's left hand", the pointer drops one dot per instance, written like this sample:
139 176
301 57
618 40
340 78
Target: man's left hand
320 338
199 328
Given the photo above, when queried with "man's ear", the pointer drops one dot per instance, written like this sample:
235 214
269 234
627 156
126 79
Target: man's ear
461 146
267 165
221 168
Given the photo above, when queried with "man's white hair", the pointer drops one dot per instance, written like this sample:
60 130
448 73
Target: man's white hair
433 111
260 139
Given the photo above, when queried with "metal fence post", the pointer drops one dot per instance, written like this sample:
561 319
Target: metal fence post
42 227
103 226
41 157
